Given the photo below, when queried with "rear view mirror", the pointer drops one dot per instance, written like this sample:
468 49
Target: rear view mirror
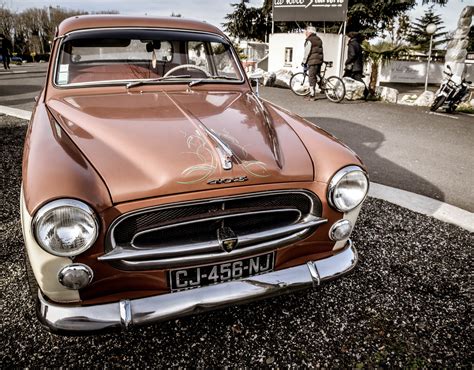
153 45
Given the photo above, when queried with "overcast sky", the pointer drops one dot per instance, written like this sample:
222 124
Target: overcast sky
211 11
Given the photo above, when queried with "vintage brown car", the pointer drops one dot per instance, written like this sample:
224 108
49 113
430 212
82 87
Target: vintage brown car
156 184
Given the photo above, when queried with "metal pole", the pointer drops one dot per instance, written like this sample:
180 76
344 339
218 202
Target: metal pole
428 63
273 18
343 48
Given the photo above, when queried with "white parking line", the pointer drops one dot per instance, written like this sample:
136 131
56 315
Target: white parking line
415 202
15 112
424 205
13 72
443 115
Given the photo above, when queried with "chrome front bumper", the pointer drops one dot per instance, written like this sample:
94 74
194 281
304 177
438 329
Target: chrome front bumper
89 319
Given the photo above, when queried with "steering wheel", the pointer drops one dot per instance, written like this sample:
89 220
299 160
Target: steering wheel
187 66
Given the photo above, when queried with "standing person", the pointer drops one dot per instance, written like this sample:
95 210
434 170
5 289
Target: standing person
354 65
5 47
313 58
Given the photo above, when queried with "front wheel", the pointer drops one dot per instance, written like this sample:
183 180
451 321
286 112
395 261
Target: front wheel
299 84
438 102
334 89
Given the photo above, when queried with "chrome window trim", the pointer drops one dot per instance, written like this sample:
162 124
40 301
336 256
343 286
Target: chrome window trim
63 38
335 181
58 203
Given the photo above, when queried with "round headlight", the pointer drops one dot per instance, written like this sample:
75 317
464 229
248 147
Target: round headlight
65 227
348 188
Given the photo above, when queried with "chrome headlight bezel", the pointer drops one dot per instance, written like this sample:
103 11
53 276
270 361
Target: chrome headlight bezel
336 181
53 206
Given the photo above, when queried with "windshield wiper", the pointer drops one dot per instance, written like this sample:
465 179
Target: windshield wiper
154 80
206 79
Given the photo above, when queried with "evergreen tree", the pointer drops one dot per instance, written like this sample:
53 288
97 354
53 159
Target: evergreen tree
417 35
249 22
373 17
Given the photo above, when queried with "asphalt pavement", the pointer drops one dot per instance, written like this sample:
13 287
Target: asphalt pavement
20 85
407 304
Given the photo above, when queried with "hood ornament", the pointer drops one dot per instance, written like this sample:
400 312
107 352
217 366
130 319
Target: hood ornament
223 150
227 239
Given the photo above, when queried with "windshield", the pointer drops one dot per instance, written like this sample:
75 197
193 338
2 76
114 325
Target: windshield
117 56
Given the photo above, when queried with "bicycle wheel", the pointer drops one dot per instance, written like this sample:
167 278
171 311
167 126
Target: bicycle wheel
334 89
299 84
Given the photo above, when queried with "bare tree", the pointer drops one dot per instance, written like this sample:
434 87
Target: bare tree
33 29
7 20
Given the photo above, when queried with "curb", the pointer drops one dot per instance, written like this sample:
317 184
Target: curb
424 205
15 112
414 202
13 73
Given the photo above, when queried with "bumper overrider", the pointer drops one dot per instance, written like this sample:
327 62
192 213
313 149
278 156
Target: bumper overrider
65 319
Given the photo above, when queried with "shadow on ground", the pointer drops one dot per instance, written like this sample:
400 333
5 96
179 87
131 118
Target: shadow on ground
17 89
381 170
14 102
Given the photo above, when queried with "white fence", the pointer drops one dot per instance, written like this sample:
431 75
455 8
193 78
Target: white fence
286 51
415 72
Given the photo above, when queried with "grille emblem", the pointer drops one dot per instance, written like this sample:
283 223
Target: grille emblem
227 239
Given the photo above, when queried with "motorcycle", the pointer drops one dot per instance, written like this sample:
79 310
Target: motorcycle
451 92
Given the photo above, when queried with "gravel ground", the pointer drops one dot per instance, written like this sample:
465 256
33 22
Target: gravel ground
408 303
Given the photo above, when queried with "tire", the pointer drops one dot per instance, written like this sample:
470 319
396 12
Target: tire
299 84
334 89
438 102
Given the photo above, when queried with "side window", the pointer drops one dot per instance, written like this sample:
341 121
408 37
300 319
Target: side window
288 55
197 54
225 66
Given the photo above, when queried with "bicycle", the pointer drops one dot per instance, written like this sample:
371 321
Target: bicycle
332 86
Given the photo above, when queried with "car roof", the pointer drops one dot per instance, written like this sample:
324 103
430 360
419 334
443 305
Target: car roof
83 22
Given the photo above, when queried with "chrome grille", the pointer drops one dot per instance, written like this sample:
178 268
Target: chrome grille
187 233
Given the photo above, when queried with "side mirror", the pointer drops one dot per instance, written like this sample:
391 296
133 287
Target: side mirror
255 75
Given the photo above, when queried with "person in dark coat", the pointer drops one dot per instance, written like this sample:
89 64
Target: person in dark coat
354 65
313 58
5 47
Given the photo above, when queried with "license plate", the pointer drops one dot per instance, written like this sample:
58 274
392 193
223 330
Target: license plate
194 277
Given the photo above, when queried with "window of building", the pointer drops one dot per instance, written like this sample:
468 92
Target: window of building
288 55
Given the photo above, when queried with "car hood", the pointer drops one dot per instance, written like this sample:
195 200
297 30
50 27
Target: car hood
150 144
